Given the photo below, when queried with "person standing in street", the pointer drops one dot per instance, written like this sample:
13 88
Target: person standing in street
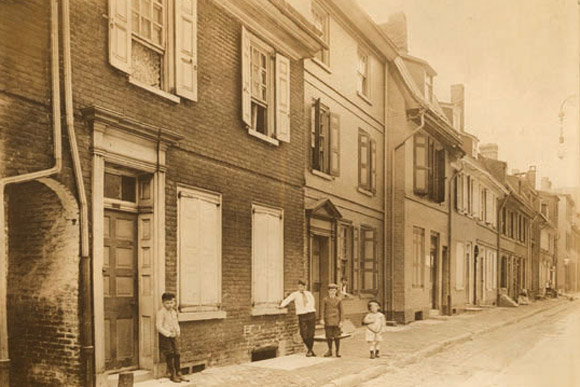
167 325
375 323
332 315
306 312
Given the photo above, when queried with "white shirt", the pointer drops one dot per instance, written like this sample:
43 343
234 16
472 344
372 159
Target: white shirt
298 298
167 322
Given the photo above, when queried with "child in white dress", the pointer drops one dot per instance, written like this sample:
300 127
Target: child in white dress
375 323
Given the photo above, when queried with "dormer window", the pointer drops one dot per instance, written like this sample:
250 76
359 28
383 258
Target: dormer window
428 88
321 21
363 74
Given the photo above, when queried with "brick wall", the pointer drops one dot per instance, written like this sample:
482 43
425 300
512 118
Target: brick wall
43 292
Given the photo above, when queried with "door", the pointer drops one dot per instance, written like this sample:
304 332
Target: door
320 268
470 270
446 294
434 270
120 290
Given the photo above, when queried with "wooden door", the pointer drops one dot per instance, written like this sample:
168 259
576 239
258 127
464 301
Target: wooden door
120 290
320 268
434 270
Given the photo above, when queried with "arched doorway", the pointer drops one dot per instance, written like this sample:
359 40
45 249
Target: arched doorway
43 284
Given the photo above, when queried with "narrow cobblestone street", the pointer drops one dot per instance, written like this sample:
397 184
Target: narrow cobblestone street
543 350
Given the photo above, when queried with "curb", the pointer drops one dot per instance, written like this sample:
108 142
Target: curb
375 371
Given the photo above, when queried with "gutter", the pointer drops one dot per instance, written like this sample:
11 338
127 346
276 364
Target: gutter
85 283
57 140
392 223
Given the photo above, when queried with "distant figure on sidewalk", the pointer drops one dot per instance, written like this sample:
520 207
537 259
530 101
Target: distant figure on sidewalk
344 288
332 316
375 323
306 312
167 325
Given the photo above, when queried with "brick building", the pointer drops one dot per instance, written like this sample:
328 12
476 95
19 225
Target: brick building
545 267
567 256
185 143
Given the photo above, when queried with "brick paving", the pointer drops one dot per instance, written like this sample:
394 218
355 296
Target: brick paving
402 345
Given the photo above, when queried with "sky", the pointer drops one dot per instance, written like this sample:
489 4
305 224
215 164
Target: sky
518 60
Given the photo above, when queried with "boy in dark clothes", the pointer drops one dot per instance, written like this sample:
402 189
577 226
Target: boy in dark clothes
332 316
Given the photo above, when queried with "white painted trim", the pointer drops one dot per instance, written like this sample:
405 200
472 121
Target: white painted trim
263 137
154 90
198 316
268 311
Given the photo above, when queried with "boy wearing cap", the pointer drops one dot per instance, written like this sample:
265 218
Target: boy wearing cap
332 315
304 303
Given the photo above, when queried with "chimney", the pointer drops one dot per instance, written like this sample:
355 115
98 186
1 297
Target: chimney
396 30
458 100
545 184
531 176
489 151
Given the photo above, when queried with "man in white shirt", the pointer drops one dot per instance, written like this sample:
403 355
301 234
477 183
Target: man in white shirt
304 303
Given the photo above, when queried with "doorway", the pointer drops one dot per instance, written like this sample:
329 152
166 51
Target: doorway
434 264
321 270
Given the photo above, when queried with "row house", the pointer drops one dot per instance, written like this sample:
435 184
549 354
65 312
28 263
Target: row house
344 98
567 256
422 146
545 267
181 170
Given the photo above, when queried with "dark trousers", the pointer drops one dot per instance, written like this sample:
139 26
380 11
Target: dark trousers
307 322
169 347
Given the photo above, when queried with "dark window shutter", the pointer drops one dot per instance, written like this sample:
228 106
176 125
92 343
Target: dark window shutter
334 144
440 176
316 133
420 164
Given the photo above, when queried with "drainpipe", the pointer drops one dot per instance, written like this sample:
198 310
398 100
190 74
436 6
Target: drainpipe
498 258
85 285
449 248
392 184
529 241
57 140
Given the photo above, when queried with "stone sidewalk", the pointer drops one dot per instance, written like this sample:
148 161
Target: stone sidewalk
402 345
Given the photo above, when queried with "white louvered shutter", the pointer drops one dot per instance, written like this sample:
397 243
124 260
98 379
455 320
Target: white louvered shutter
373 162
334 144
246 78
282 98
120 34
186 48
189 243
209 240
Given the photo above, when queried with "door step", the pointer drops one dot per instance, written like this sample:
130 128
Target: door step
434 312
474 309
138 376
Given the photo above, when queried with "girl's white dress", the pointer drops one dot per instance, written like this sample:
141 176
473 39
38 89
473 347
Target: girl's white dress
375 323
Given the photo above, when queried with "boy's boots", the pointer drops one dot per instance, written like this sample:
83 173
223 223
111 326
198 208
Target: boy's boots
171 369
337 345
177 363
372 354
377 353
329 352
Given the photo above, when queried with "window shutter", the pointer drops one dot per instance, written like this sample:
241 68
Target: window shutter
334 144
440 176
315 141
186 48
466 194
246 78
475 189
458 196
282 98
189 269
373 162
420 164
356 259
120 34
363 167
459 267
259 261
275 266
488 206
209 241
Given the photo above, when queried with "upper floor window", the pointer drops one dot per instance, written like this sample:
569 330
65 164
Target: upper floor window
322 22
265 89
367 162
325 140
363 83
545 210
141 46
429 168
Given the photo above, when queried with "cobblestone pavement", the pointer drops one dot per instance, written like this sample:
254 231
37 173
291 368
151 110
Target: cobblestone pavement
402 345
540 351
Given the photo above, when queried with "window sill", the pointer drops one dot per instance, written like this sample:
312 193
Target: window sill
198 316
321 174
155 90
365 192
263 137
322 65
364 97
268 311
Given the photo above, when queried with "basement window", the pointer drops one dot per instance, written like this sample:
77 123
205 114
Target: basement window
264 353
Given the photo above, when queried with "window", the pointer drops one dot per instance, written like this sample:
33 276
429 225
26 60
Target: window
544 210
428 88
460 258
367 162
545 240
267 256
325 143
265 90
345 263
368 262
363 86
429 168
120 187
483 209
490 267
504 272
322 22
504 221
141 45
200 250
418 256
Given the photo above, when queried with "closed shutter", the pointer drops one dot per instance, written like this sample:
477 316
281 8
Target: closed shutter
315 132
459 265
420 164
189 251
210 240
267 257
373 162
275 259
186 48
368 259
440 178
282 98
488 206
246 78
259 261
356 259
459 193
466 194
475 191
120 34
363 157
334 144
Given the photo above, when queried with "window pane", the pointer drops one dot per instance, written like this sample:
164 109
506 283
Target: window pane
112 186
158 14
129 190
145 28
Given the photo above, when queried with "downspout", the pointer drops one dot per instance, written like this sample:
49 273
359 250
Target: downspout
392 184
85 285
530 258
57 140
449 248
498 258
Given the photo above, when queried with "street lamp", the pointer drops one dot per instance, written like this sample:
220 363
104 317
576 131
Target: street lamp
561 115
